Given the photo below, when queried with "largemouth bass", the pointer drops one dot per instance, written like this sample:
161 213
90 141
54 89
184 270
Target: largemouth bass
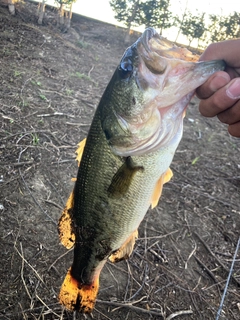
125 159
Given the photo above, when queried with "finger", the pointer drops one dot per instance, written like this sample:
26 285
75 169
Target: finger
214 83
234 129
220 50
216 104
231 115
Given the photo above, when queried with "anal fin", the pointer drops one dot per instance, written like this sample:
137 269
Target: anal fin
76 296
65 225
166 177
125 250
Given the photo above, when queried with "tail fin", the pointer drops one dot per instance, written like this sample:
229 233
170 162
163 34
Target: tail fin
76 296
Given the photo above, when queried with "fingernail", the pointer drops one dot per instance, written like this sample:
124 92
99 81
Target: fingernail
233 91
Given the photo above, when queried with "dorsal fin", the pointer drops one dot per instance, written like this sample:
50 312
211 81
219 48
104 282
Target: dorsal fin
65 224
159 185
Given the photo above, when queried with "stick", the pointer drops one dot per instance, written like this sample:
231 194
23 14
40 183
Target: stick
207 270
215 257
228 280
55 114
38 276
22 276
130 306
60 257
49 309
54 204
18 164
179 313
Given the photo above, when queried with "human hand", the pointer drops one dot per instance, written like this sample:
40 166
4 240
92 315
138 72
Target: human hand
220 94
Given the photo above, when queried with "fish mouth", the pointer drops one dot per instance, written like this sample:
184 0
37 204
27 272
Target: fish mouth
166 77
146 36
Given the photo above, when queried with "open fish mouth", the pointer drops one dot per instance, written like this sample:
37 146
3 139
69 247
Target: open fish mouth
154 83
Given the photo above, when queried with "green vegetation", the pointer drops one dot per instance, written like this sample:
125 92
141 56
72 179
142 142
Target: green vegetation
82 76
69 92
43 97
157 13
195 160
37 83
82 44
35 139
17 73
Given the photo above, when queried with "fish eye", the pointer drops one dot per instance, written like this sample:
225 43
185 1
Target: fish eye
125 69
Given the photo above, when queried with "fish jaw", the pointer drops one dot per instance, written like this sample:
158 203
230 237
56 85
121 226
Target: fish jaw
161 84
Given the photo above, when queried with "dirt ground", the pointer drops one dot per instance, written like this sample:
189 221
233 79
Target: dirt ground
50 86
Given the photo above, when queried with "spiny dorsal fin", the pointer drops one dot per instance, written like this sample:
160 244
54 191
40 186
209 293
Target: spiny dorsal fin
122 179
65 225
159 185
65 228
125 250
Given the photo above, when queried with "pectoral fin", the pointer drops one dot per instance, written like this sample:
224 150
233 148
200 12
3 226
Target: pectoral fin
159 185
79 150
65 225
125 250
122 179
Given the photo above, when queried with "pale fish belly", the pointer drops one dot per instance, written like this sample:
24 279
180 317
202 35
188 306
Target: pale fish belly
130 210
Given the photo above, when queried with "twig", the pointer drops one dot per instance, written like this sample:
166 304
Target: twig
142 285
60 257
157 255
89 72
78 124
207 270
215 257
55 114
47 306
129 281
21 134
18 164
22 277
36 273
54 204
102 314
130 306
228 280
179 313
136 301
158 237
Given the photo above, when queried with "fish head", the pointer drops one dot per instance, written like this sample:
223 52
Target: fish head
144 104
